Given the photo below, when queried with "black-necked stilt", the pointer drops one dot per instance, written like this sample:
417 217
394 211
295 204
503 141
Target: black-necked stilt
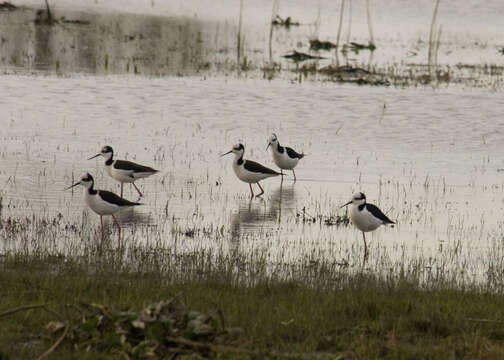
122 170
102 202
284 157
366 217
249 171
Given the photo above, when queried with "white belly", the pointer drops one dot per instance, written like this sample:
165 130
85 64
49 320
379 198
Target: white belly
124 176
364 220
283 161
98 205
249 176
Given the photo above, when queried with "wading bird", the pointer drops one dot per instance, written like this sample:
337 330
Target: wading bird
249 171
102 202
122 170
366 217
284 157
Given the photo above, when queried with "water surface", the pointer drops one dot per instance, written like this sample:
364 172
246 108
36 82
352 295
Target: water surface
160 84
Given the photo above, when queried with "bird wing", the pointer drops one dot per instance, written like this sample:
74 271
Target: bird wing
258 168
293 154
377 213
128 165
114 199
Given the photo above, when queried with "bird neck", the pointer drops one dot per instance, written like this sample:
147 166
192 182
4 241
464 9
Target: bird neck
91 191
280 148
239 159
109 159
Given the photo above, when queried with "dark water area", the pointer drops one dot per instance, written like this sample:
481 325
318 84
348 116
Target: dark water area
207 43
105 44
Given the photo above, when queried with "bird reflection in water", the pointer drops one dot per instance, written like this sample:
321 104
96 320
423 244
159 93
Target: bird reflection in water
130 217
282 198
254 217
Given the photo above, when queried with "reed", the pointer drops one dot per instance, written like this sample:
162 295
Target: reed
431 35
274 12
239 36
370 26
340 24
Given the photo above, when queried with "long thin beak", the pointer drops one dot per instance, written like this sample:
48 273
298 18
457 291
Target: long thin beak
92 157
77 183
348 203
229 152
268 146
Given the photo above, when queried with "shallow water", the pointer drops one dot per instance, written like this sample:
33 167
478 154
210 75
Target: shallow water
428 164
428 157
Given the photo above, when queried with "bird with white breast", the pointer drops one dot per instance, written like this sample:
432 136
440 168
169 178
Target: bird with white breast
249 171
122 170
284 157
366 217
103 202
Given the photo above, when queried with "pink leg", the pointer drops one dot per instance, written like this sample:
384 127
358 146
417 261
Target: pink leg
294 175
102 231
119 233
365 247
251 191
139 193
121 189
262 190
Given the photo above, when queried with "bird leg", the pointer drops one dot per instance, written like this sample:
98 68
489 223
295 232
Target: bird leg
251 191
102 231
121 189
365 246
119 232
262 190
294 175
139 193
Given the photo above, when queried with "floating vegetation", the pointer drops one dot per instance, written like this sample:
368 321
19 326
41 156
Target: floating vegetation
328 220
299 56
44 17
357 47
343 70
288 22
353 74
7 6
317 45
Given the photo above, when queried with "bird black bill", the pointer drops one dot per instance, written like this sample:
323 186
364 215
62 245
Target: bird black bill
92 157
229 152
77 183
348 203
268 146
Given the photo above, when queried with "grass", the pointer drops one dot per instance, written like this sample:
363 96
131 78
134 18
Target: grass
359 316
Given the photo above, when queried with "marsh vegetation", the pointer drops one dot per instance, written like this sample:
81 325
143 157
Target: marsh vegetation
278 277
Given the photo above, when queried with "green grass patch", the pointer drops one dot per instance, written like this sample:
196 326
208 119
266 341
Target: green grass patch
362 317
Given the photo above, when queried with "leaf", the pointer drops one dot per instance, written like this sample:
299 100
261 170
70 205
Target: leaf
90 325
156 331
138 324
112 340
54 326
144 349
